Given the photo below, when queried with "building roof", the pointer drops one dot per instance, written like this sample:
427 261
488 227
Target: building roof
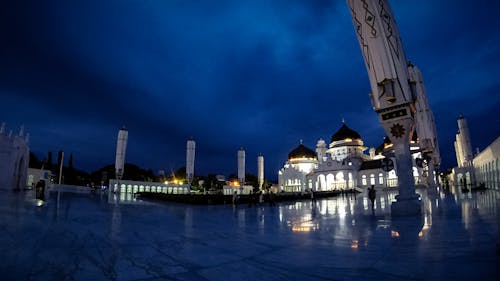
371 164
345 133
301 151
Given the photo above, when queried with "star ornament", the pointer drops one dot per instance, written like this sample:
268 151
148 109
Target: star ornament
397 130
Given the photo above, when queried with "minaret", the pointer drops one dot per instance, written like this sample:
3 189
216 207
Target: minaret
190 152
457 152
465 144
321 150
121 148
241 166
260 171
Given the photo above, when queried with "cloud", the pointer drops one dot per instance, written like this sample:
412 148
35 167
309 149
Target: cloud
257 74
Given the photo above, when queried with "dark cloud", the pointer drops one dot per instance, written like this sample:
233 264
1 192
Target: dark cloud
257 74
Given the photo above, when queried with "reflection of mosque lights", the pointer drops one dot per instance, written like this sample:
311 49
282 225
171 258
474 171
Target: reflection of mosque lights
305 227
305 224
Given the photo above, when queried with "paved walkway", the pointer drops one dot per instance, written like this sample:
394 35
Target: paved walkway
335 239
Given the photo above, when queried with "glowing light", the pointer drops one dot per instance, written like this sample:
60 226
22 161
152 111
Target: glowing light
300 228
302 159
347 139
394 233
166 182
355 244
420 234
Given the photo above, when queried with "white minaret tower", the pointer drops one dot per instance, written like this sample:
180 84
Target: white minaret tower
260 171
121 148
241 166
464 142
190 151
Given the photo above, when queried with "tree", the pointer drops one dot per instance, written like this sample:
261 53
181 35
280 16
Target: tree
34 161
48 164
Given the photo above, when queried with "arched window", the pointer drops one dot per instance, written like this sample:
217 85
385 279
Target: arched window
330 182
380 178
372 179
363 180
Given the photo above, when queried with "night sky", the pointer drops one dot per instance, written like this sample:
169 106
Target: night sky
255 74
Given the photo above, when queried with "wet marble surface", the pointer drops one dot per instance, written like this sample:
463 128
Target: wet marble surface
85 238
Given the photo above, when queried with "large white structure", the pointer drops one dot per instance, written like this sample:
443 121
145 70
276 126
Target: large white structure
190 152
395 90
125 190
344 165
14 159
487 166
121 149
424 123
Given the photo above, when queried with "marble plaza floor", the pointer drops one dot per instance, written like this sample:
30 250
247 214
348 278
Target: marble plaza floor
85 238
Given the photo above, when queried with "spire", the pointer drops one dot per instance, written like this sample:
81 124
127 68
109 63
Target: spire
300 141
343 120
27 139
2 129
21 131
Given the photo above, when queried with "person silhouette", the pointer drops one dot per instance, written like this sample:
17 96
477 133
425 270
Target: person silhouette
372 193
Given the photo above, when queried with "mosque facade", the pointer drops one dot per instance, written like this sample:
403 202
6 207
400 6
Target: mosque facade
472 170
14 158
343 164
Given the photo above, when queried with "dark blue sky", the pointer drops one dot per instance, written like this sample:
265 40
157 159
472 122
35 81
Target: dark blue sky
258 74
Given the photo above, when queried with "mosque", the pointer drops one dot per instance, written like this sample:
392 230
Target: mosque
343 164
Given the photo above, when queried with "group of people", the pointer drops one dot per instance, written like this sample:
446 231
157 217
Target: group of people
255 198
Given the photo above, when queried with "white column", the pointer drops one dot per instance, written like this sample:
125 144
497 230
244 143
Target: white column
241 166
121 148
260 171
190 153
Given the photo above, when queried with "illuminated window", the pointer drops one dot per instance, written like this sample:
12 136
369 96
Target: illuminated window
372 179
363 180
381 178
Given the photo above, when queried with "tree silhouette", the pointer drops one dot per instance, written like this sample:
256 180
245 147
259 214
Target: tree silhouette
48 165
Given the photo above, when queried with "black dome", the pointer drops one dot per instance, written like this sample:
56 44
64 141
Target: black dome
345 133
301 152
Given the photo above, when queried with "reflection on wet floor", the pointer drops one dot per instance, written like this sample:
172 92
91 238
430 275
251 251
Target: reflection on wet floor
85 238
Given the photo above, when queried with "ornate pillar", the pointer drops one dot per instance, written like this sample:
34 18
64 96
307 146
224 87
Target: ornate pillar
391 96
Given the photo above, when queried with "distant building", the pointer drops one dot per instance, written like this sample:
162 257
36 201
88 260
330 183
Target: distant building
343 165
487 165
14 159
